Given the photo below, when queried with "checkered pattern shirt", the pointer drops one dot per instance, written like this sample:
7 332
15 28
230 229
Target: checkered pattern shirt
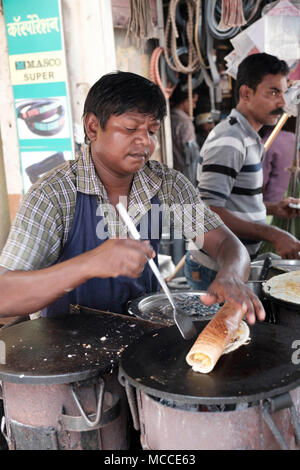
43 222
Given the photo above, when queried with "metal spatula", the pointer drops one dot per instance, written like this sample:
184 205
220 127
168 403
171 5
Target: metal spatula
182 321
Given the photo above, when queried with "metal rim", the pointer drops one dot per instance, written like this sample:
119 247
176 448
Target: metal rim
26 379
281 302
287 303
123 377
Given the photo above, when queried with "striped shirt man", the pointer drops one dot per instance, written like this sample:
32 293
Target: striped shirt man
230 172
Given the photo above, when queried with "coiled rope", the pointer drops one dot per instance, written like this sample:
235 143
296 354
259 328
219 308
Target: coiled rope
212 12
198 24
155 73
171 50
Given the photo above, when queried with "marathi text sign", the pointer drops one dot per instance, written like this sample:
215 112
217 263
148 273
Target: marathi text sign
39 79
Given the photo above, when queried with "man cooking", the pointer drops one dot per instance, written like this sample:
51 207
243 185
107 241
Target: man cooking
67 246
230 171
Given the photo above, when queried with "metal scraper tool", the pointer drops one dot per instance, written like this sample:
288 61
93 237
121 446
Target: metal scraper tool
182 321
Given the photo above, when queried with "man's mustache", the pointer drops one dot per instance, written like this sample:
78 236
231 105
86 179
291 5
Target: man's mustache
277 111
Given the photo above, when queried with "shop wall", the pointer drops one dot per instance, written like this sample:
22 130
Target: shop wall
95 44
10 146
90 53
4 207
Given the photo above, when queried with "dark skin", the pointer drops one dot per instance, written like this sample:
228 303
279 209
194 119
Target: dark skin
118 151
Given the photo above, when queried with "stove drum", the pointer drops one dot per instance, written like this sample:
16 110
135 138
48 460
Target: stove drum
268 425
88 415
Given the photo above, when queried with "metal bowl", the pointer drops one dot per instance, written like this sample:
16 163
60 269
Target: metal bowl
156 307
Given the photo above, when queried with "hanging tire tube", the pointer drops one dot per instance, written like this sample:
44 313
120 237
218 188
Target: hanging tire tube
171 74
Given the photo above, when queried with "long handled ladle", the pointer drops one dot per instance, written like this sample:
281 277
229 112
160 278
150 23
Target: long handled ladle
182 321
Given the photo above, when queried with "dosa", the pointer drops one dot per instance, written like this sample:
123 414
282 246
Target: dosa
284 287
224 333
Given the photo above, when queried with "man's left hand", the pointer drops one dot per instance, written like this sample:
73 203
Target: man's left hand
282 208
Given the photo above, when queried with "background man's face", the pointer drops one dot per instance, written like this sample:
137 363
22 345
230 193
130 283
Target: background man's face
266 102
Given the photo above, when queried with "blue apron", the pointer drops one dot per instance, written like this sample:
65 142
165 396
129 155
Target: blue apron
109 294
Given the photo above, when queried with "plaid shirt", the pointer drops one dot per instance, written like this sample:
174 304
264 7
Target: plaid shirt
43 222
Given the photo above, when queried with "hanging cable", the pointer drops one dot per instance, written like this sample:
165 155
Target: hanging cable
251 10
155 73
198 26
171 50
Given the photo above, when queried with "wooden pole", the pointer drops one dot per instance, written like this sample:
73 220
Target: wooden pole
276 130
179 265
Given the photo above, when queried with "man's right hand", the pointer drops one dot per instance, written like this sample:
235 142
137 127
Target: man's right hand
286 245
118 257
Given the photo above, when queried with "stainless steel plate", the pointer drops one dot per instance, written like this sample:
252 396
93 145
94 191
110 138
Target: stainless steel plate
284 264
157 308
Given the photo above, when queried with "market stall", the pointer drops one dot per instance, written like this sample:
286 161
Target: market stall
88 379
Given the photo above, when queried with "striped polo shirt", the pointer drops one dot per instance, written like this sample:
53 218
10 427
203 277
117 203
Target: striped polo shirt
230 171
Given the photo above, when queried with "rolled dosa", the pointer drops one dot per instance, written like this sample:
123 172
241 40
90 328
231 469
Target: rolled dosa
225 332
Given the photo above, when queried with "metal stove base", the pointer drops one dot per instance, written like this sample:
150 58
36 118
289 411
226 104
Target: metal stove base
167 428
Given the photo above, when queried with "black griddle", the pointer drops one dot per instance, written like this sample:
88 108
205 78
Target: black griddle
263 368
69 349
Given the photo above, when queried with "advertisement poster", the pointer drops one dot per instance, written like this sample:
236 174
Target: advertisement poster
39 79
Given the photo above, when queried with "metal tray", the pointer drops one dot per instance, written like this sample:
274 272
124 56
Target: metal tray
156 307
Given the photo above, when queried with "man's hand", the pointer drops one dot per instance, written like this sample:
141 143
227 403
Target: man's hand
118 257
282 209
286 245
234 266
237 292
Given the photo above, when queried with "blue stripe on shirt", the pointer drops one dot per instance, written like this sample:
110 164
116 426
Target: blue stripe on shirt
251 168
216 193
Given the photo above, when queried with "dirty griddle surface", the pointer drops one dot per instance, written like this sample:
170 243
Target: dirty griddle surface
263 368
64 350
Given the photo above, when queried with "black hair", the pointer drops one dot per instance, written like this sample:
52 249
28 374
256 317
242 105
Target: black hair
118 92
255 67
178 96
